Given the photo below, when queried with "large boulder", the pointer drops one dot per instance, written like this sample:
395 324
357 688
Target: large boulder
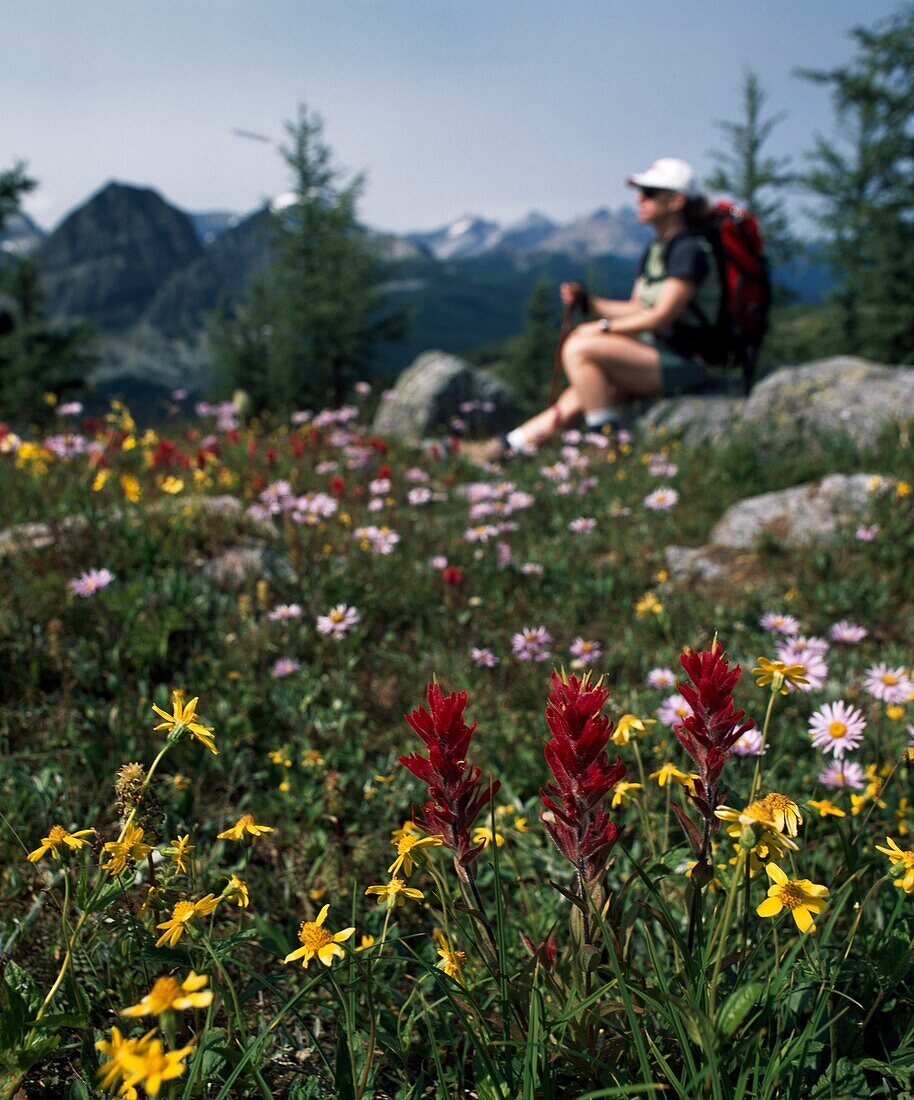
438 387
696 419
843 395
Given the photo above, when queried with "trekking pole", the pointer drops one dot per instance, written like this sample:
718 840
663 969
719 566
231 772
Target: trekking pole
567 324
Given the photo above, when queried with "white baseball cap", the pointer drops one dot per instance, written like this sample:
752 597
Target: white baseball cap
668 174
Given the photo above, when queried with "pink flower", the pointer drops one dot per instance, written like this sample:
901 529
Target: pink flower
91 582
846 633
750 744
661 678
843 774
583 525
338 621
483 658
837 728
888 685
779 624
284 611
532 644
585 653
661 500
673 711
867 534
285 666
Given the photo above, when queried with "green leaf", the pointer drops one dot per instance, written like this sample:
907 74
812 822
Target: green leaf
345 1086
77 1091
849 1084
737 1007
60 1019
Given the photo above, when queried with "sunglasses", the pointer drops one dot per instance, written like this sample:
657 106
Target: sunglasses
652 192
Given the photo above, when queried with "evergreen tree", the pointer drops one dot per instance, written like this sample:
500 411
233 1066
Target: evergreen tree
751 178
864 186
35 358
314 319
528 366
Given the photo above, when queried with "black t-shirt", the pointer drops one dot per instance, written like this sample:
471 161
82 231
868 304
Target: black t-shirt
687 256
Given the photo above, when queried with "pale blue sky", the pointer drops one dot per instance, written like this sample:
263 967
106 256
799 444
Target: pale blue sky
494 107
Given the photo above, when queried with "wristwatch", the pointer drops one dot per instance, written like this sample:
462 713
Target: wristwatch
605 325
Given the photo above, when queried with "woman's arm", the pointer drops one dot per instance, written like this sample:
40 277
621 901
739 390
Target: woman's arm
612 308
674 298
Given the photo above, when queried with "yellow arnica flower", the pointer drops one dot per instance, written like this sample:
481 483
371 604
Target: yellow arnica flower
826 808
319 941
236 890
452 962
406 845
485 836
628 725
131 847
800 896
151 1066
56 837
394 893
902 859
365 942
181 915
170 995
245 826
406 829
622 794
669 771
180 847
779 675
784 813
183 717
115 1048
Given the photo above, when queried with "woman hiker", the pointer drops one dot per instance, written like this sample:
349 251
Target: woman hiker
655 344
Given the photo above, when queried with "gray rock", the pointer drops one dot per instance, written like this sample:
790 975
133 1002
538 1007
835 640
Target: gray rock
693 563
843 395
806 515
37 536
430 392
696 419
232 567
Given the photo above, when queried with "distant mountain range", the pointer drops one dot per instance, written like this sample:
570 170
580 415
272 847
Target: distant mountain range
148 275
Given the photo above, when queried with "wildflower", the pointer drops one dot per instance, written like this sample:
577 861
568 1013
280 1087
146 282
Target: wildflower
531 644
311 758
285 666
338 620
130 487
395 892
661 678
183 718
452 962
180 847
583 525
661 500
408 828
846 633
483 658
521 825
843 774
815 671
90 582
901 814
673 710
456 796
236 890
888 685
826 808
151 1065
583 776
867 533
778 674
57 837
485 836
245 826
648 605
779 624
622 794
668 772
784 812
181 916
365 943
629 724
406 845
317 941
284 611
903 860
584 652
170 995
750 744
894 712
115 1047
837 728
130 847
800 896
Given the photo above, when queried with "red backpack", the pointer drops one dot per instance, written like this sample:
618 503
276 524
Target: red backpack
745 279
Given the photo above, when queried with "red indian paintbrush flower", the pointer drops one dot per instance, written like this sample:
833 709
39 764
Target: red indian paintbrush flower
456 796
577 758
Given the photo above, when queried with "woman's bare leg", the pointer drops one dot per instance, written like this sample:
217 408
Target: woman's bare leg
561 415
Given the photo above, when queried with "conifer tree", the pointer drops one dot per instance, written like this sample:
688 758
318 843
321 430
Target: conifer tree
315 318
528 367
749 176
863 184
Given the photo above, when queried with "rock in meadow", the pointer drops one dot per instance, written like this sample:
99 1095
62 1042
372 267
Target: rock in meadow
433 390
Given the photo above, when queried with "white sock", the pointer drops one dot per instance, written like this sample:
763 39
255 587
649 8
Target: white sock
516 440
596 418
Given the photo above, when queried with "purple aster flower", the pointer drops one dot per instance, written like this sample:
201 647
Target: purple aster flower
91 582
750 744
285 666
661 678
661 500
837 728
583 525
584 652
483 658
847 633
888 685
284 611
338 621
532 644
843 775
779 624
673 710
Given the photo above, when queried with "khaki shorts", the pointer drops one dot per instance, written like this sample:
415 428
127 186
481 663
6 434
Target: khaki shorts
678 373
